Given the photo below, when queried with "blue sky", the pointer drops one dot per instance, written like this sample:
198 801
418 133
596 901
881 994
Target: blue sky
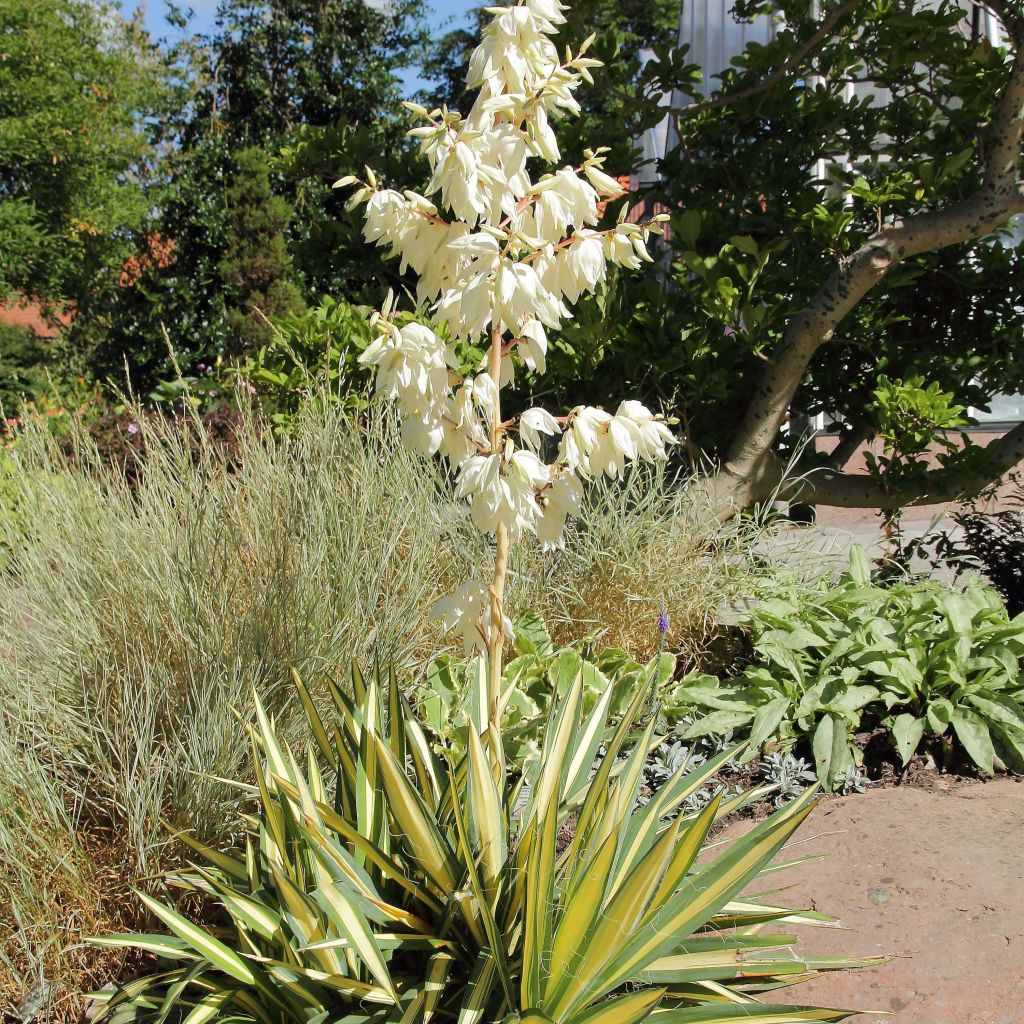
443 14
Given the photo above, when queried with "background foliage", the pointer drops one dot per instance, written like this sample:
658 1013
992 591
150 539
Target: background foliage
78 85
149 241
765 194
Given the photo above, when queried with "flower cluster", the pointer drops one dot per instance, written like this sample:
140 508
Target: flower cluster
501 255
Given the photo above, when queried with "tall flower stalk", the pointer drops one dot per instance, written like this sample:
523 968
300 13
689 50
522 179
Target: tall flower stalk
501 254
496 635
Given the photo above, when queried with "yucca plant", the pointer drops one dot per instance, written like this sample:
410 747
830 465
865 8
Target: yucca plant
394 888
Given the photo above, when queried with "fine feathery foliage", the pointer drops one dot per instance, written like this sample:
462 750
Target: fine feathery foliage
398 888
991 543
916 658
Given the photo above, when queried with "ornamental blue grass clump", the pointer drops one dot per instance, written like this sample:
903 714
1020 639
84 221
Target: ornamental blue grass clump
501 254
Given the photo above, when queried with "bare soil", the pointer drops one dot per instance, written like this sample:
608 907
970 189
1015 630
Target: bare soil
933 877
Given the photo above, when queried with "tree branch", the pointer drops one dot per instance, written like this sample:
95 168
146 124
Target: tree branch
999 198
936 486
790 65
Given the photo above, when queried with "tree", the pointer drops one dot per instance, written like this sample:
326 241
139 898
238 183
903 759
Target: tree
310 83
256 268
840 199
77 83
313 81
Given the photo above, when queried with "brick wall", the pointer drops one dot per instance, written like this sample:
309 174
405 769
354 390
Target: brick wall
30 316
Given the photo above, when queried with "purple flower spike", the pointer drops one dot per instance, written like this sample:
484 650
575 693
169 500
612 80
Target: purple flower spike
663 620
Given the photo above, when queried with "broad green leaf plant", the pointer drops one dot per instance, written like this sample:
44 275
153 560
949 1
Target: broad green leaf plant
452 697
396 888
915 657
500 254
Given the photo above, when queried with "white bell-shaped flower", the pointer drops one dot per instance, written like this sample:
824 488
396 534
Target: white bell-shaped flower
422 434
581 437
535 341
413 365
465 612
560 500
463 432
651 435
535 422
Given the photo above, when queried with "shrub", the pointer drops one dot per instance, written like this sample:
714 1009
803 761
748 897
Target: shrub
982 541
256 267
318 347
23 356
400 888
915 658
992 543
137 617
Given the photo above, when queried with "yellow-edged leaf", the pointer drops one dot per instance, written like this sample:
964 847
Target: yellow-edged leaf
353 924
422 1009
219 955
619 916
485 816
539 900
316 723
484 908
686 852
578 912
231 866
416 822
627 1009
170 947
387 866
747 1012
478 990
554 764
691 905
209 1007
268 736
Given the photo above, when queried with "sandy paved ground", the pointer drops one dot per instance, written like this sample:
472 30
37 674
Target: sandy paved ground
823 547
934 878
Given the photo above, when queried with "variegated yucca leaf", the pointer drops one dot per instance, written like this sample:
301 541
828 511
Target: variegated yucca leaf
380 884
